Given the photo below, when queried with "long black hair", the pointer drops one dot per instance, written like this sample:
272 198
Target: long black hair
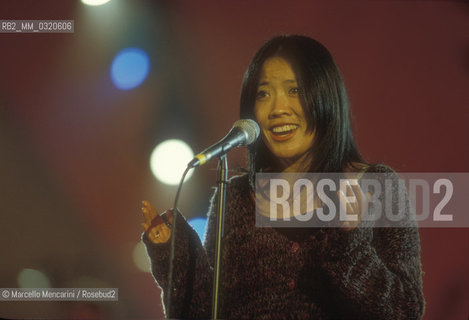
323 98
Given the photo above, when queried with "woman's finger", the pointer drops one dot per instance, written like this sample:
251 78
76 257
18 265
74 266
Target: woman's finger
152 210
345 203
149 215
145 211
353 200
148 211
348 225
359 195
146 215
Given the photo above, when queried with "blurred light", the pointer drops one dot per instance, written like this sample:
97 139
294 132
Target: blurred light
129 68
31 278
199 225
87 282
141 259
95 2
169 160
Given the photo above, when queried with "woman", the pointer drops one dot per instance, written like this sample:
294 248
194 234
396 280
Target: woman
294 91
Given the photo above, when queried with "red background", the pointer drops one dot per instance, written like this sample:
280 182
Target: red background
74 149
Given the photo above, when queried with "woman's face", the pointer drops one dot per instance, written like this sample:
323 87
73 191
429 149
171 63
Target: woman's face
279 113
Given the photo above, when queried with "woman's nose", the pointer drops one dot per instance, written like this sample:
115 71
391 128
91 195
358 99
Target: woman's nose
280 106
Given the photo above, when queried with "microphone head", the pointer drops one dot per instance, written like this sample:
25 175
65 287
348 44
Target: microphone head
250 128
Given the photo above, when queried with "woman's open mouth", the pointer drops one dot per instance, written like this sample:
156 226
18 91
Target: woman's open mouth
283 132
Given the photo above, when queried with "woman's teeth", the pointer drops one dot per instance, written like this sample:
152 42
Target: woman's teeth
285 129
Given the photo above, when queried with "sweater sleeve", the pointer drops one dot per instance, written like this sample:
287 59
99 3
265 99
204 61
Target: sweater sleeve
192 274
372 273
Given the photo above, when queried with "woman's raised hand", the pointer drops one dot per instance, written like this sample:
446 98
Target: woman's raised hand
155 227
357 207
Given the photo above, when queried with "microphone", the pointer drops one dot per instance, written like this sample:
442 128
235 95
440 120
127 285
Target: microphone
243 133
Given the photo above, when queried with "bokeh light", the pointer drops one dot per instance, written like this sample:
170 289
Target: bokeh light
129 68
141 257
169 160
199 224
94 2
31 278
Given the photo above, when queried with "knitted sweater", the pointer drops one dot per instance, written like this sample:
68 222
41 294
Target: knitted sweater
364 273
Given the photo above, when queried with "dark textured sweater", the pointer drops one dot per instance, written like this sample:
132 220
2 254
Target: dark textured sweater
327 273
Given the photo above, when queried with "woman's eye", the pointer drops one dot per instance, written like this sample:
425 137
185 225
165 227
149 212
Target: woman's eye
294 90
261 94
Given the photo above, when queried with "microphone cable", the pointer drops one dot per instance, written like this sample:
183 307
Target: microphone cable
173 242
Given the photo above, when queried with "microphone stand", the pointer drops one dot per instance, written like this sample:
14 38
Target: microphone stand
221 198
